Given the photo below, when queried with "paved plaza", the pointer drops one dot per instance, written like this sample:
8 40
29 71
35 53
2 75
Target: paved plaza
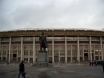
11 71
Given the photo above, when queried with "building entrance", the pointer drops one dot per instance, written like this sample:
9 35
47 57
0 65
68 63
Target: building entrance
14 57
86 56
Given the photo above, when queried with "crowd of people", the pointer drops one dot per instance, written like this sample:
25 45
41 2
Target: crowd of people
93 63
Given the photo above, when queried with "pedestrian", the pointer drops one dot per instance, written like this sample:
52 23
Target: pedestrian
90 63
95 63
21 70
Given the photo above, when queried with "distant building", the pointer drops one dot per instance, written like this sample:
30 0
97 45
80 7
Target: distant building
64 45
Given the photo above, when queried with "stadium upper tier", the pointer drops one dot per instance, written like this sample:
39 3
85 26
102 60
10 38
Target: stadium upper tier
52 32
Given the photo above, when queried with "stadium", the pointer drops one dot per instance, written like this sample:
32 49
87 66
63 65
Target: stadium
64 45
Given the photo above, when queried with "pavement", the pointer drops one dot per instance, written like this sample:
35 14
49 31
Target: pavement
11 71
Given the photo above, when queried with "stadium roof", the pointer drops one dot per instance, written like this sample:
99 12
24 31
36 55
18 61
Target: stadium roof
25 29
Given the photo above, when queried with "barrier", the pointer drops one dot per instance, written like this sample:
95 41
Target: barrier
86 64
71 64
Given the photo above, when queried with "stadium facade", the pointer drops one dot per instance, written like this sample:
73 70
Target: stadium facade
64 45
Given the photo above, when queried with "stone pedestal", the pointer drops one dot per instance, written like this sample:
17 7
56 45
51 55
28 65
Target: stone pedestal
42 59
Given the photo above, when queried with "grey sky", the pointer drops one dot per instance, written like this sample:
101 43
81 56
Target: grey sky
17 14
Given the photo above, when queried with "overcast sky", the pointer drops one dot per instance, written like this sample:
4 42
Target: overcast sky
17 14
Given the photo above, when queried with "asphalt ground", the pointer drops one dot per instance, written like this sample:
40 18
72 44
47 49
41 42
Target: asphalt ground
11 71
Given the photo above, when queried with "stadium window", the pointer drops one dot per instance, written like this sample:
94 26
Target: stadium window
26 59
49 47
50 52
85 50
31 59
81 52
31 52
16 39
36 38
80 46
25 47
59 38
96 52
62 52
49 38
4 52
4 39
74 52
95 38
55 47
85 46
14 46
103 38
4 47
68 47
62 47
27 38
55 52
37 47
74 47
19 46
31 46
25 52
19 52
14 51
68 52
72 38
83 38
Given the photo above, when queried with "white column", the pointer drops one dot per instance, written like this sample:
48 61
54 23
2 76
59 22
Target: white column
59 52
21 48
1 49
71 53
90 50
78 55
65 49
53 50
94 53
101 48
83 52
34 53
9 48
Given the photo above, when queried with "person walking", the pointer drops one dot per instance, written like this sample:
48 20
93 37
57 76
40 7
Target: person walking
21 70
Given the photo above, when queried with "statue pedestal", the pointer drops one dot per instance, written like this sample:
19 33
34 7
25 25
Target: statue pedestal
42 59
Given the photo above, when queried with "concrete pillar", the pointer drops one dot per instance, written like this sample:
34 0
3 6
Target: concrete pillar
59 52
99 53
17 53
21 48
53 50
34 53
90 50
94 52
71 53
65 49
1 50
101 48
78 54
28 54
9 48
83 51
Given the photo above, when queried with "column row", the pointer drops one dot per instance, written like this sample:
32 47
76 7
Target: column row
78 51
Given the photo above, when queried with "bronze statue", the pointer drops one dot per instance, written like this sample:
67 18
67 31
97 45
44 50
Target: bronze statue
43 42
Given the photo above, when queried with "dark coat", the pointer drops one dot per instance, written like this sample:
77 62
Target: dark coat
21 67
103 63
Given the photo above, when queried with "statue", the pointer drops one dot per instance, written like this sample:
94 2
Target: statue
43 42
